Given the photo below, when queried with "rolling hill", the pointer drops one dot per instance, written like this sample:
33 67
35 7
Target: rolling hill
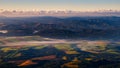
72 27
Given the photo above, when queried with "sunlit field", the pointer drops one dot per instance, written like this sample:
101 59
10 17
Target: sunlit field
28 51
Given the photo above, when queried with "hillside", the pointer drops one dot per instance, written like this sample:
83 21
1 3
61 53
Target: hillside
72 27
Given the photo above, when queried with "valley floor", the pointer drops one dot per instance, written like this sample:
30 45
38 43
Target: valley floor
39 52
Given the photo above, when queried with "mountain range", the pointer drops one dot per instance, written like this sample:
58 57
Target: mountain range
62 27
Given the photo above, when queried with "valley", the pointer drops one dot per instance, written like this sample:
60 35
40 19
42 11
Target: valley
19 52
51 42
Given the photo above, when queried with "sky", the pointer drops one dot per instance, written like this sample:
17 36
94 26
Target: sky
75 5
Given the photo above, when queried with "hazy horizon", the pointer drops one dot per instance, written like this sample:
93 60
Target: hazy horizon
60 5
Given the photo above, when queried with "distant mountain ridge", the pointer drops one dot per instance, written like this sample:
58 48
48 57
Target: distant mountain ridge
88 27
